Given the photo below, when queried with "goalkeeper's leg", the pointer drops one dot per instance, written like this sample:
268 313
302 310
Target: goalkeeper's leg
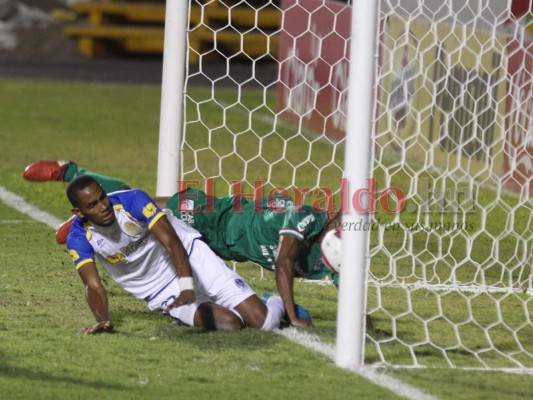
65 171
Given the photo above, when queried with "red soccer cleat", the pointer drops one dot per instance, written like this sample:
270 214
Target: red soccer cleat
63 230
43 171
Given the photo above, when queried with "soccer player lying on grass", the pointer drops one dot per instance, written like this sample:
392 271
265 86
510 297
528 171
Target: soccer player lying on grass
285 242
158 258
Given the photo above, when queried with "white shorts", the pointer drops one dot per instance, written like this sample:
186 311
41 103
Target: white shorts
214 282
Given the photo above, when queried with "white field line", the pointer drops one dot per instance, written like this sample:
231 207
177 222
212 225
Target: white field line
456 287
372 374
19 204
302 338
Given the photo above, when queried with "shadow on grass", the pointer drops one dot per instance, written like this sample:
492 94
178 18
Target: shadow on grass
163 327
246 339
15 372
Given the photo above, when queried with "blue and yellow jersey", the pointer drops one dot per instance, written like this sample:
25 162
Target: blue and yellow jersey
127 249
140 208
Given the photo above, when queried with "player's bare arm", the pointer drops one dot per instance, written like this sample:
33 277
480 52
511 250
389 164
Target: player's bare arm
288 251
96 296
165 233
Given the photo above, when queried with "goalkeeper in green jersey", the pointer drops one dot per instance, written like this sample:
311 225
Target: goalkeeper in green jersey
285 239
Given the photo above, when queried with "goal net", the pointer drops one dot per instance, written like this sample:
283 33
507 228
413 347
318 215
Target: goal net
451 224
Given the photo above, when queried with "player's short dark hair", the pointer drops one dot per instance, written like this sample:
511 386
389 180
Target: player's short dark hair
77 185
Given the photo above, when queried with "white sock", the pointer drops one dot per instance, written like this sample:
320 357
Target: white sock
275 311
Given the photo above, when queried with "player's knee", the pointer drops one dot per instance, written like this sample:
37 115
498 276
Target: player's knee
253 312
229 322
212 317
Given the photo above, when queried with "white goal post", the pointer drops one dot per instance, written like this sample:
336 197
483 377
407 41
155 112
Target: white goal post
173 79
440 111
352 286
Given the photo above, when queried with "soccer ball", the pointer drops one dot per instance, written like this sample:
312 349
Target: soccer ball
331 247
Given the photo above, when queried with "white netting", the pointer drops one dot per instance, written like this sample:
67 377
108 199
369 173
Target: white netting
451 81
451 272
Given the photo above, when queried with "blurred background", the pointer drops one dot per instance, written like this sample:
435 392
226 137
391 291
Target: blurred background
122 41
32 30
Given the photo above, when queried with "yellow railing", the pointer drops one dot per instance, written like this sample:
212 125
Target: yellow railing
138 27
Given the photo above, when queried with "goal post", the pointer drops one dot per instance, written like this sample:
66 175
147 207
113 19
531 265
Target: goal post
355 250
442 246
173 80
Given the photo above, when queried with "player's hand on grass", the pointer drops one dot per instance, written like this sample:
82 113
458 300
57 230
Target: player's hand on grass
186 297
301 323
100 327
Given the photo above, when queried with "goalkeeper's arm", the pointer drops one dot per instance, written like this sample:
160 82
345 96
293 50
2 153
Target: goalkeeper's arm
288 251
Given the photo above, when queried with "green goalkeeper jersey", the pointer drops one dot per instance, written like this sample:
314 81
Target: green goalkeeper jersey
241 230
206 214
254 235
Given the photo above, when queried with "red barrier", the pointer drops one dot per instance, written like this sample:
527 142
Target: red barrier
518 162
313 54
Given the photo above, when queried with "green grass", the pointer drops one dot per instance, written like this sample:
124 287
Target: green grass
43 356
113 129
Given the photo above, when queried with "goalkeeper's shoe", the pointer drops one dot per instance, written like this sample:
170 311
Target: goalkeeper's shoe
63 230
47 170
301 312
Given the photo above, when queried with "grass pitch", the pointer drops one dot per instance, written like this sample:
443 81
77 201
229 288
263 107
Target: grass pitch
114 129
